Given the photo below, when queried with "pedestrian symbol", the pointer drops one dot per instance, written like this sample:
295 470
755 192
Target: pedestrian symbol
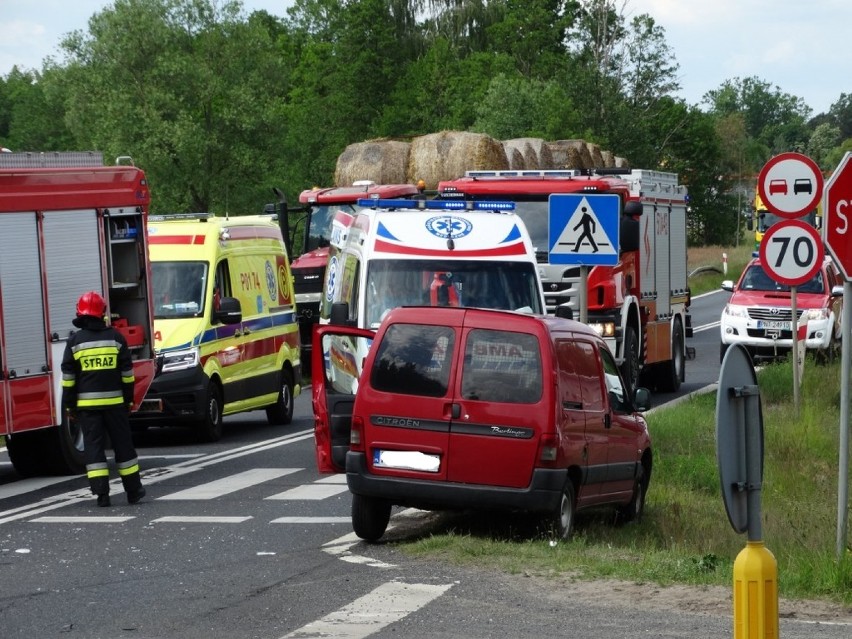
584 229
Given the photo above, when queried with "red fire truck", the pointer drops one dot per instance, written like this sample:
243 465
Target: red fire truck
321 205
640 306
68 225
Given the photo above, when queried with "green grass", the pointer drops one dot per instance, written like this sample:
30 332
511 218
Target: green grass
685 536
707 265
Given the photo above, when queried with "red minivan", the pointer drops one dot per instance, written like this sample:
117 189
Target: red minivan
468 408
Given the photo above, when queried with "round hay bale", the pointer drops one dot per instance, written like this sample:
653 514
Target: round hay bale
608 159
621 163
382 161
536 152
559 147
595 153
565 156
448 154
514 157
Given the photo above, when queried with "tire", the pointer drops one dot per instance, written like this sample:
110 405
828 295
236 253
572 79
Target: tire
630 365
671 373
370 517
209 427
826 356
281 412
633 510
562 520
48 451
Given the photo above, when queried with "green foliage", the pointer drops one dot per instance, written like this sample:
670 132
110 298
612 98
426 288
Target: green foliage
685 535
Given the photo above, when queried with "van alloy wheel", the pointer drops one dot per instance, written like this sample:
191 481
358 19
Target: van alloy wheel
563 519
281 412
209 428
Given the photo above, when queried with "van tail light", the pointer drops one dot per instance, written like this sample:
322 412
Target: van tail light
356 435
548 450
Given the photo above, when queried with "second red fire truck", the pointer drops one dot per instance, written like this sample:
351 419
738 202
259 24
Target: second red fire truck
640 306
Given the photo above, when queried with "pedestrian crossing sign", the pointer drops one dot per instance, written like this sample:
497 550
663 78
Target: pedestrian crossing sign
583 229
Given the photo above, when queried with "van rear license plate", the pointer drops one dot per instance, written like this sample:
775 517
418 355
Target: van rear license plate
406 460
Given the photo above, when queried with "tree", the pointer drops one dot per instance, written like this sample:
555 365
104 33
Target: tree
186 87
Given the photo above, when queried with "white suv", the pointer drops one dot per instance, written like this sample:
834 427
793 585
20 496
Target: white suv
759 313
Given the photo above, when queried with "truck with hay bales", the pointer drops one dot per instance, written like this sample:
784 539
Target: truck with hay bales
428 253
640 305
321 205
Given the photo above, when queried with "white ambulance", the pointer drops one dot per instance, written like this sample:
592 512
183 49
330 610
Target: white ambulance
225 324
404 252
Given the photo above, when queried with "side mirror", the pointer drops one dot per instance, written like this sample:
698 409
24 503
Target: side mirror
642 399
728 285
230 311
633 208
340 314
837 290
564 311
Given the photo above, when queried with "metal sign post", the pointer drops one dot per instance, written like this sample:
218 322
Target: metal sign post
739 453
843 470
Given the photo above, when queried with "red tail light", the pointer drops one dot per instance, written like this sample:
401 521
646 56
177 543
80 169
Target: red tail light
548 450
356 435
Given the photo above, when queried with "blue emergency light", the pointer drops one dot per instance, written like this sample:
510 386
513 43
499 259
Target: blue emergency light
441 205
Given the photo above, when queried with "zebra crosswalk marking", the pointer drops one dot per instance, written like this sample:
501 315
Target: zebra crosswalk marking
310 492
230 484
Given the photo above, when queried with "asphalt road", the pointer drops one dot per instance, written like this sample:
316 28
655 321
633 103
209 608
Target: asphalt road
244 539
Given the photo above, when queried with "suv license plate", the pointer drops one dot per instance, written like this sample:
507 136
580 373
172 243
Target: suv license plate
779 326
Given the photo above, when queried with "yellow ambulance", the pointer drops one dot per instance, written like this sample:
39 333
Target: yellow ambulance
225 326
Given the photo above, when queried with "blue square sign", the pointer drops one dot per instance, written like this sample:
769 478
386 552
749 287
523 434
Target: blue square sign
584 229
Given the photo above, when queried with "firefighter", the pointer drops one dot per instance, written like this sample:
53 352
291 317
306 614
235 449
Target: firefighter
97 392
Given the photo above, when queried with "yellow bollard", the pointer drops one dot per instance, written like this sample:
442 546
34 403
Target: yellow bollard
755 593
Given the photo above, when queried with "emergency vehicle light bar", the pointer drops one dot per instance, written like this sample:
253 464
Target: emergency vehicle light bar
444 205
201 217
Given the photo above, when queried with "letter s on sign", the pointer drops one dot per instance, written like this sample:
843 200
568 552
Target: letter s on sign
841 214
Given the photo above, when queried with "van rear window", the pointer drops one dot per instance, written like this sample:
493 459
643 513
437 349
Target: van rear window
501 366
414 359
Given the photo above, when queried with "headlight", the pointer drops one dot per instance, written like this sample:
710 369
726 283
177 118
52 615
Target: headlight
180 360
735 310
604 329
815 313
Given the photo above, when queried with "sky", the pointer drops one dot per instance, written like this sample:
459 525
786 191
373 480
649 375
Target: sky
799 47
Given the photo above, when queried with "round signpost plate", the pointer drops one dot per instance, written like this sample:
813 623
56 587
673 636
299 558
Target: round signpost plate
791 252
790 185
732 456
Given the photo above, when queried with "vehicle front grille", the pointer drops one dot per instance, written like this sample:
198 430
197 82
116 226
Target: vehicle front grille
774 314
308 280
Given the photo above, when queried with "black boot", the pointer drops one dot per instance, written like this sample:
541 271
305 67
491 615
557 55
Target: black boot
103 501
135 495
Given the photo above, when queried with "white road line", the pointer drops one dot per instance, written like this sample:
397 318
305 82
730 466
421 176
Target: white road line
338 478
310 492
311 520
365 616
153 476
230 484
22 486
199 520
82 520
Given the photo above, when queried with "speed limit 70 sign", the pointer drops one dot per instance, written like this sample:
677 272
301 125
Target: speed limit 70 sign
791 252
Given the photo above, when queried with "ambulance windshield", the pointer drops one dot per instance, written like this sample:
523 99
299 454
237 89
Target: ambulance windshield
179 289
499 285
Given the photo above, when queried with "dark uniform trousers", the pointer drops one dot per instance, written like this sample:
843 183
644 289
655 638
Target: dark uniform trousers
96 426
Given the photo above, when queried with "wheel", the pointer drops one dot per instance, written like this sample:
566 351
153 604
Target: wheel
671 373
563 519
632 511
48 451
370 517
826 356
281 412
630 366
67 439
209 428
